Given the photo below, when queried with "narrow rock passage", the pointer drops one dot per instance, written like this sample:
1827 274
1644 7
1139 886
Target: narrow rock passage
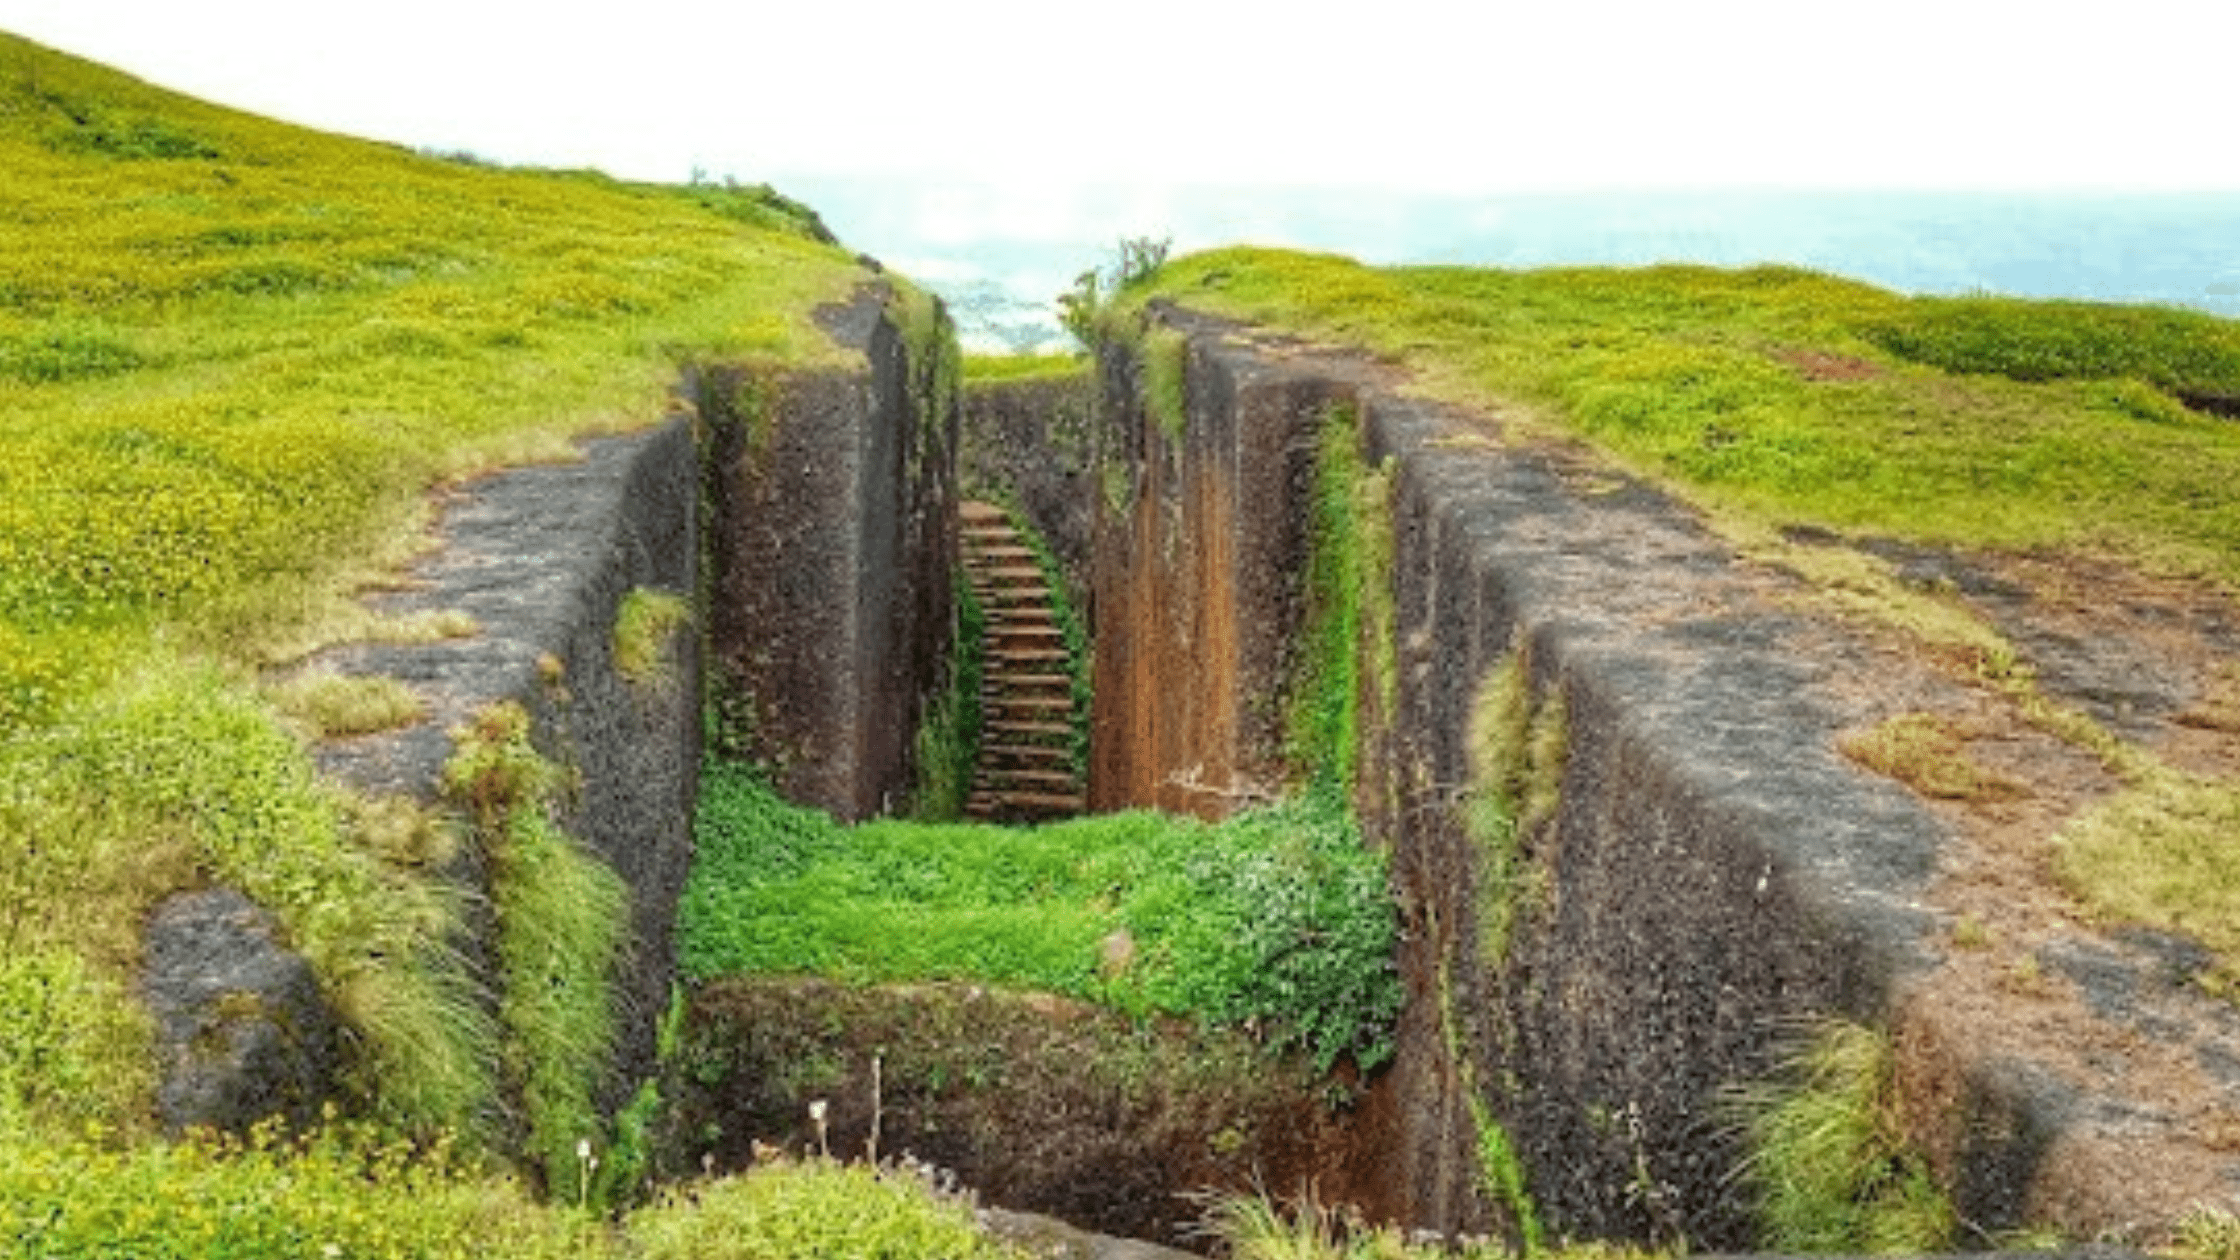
1026 770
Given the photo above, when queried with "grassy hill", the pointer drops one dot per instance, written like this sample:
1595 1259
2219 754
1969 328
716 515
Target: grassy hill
234 355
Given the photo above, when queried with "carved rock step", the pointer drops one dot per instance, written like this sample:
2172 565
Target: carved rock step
1024 771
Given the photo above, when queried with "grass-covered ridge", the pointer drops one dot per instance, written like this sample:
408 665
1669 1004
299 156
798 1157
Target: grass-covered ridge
1279 917
1788 397
234 357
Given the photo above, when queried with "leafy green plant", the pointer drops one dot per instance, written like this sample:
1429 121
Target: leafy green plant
1085 310
816 1210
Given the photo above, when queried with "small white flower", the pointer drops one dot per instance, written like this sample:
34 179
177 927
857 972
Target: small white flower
583 1148
816 1111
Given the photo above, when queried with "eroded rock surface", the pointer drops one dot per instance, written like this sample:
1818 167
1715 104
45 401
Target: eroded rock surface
243 1034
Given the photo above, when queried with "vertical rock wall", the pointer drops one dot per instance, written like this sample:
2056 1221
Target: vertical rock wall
541 558
1029 445
1709 871
831 498
1198 573
824 505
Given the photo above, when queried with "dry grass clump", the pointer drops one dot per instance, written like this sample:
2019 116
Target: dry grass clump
337 705
1927 753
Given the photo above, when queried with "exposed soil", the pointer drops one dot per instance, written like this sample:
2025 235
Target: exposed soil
1039 1104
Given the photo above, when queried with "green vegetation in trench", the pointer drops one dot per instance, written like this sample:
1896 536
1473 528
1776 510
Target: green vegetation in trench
948 739
347 1192
1830 1158
234 355
1278 917
1347 652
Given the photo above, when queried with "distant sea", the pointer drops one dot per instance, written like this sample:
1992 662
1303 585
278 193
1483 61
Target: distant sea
1000 253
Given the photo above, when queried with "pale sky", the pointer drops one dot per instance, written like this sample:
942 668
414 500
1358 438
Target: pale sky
1416 94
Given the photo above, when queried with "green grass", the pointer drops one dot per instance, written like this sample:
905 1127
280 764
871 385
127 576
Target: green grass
1776 394
1278 918
1322 725
234 357
335 705
345 1193
269 349
991 368
1830 1159
2161 853
562 920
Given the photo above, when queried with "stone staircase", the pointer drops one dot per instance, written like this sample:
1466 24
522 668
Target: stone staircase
1025 768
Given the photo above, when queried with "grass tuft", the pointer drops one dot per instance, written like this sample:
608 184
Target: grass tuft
2160 853
1165 362
1924 752
1830 1159
562 920
336 705
645 624
2209 1233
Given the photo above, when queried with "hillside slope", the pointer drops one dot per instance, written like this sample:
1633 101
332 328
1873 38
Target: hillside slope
234 356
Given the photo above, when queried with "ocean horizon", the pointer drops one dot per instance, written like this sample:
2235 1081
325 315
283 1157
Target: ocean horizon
1000 253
